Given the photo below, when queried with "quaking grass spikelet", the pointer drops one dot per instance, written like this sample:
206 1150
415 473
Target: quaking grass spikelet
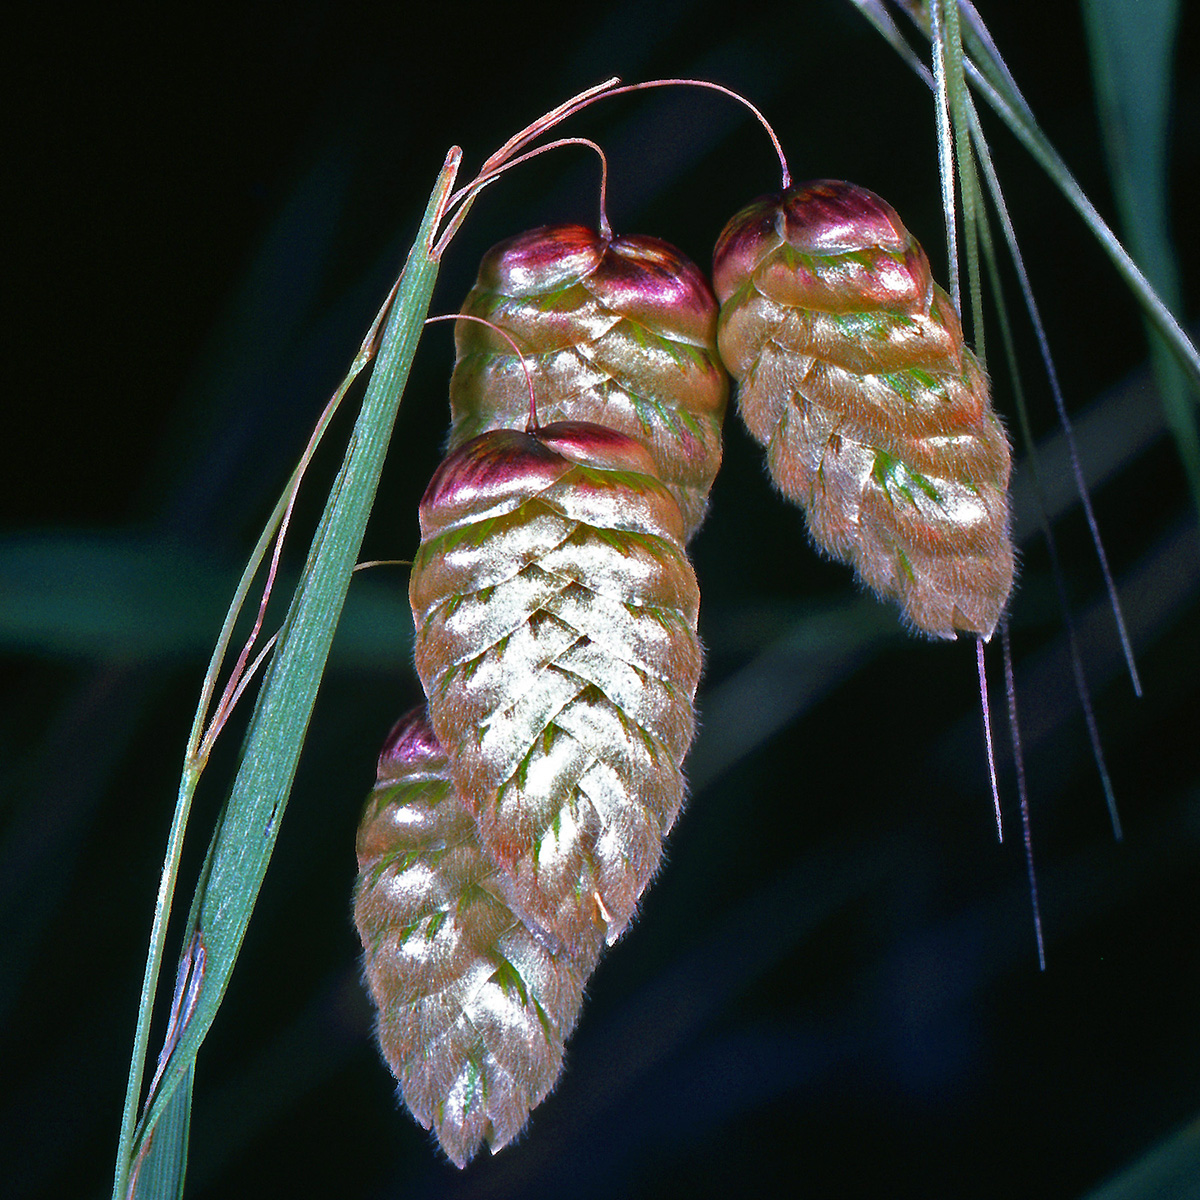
852 372
473 1007
618 331
555 613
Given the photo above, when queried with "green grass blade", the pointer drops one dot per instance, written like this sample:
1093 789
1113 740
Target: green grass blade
945 147
245 836
1131 52
160 1174
964 161
991 78
1010 236
989 75
194 762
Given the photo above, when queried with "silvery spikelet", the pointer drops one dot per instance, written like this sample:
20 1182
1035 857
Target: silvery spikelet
473 1006
851 370
555 613
617 331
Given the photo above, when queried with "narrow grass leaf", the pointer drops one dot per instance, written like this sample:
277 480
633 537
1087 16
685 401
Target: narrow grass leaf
195 757
945 147
964 161
1032 462
1010 235
989 75
991 78
245 836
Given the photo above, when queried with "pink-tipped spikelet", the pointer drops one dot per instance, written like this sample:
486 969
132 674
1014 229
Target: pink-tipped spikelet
852 372
620 332
555 615
473 1005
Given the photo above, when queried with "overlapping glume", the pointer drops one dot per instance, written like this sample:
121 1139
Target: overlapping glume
555 613
619 331
851 370
473 1005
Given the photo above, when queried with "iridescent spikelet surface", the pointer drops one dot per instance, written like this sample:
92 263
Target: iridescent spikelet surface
555 615
619 331
852 372
473 1006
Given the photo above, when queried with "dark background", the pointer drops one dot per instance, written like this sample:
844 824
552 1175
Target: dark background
833 986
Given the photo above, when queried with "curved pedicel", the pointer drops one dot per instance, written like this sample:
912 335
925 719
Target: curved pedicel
852 372
555 615
617 331
473 1002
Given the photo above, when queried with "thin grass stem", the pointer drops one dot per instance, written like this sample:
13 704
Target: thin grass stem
1014 728
945 148
1033 462
533 421
986 709
1010 235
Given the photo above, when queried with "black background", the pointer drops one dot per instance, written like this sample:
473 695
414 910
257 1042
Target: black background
832 987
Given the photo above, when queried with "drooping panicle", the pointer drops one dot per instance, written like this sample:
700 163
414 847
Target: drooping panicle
555 615
473 1005
618 331
852 371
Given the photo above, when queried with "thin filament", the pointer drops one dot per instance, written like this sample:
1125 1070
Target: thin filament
547 121
945 148
1019 761
987 736
490 176
533 425
1056 569
1010 235
785 174
508 154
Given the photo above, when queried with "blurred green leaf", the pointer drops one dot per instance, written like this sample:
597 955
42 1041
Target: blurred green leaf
1171 1171
1132 47
116 597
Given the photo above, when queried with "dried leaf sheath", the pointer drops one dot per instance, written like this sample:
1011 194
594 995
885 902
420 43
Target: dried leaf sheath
555 612
620 332
473 1007
852 371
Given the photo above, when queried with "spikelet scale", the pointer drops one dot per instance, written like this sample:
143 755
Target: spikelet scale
473 1003
619 331
852 372
555 612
